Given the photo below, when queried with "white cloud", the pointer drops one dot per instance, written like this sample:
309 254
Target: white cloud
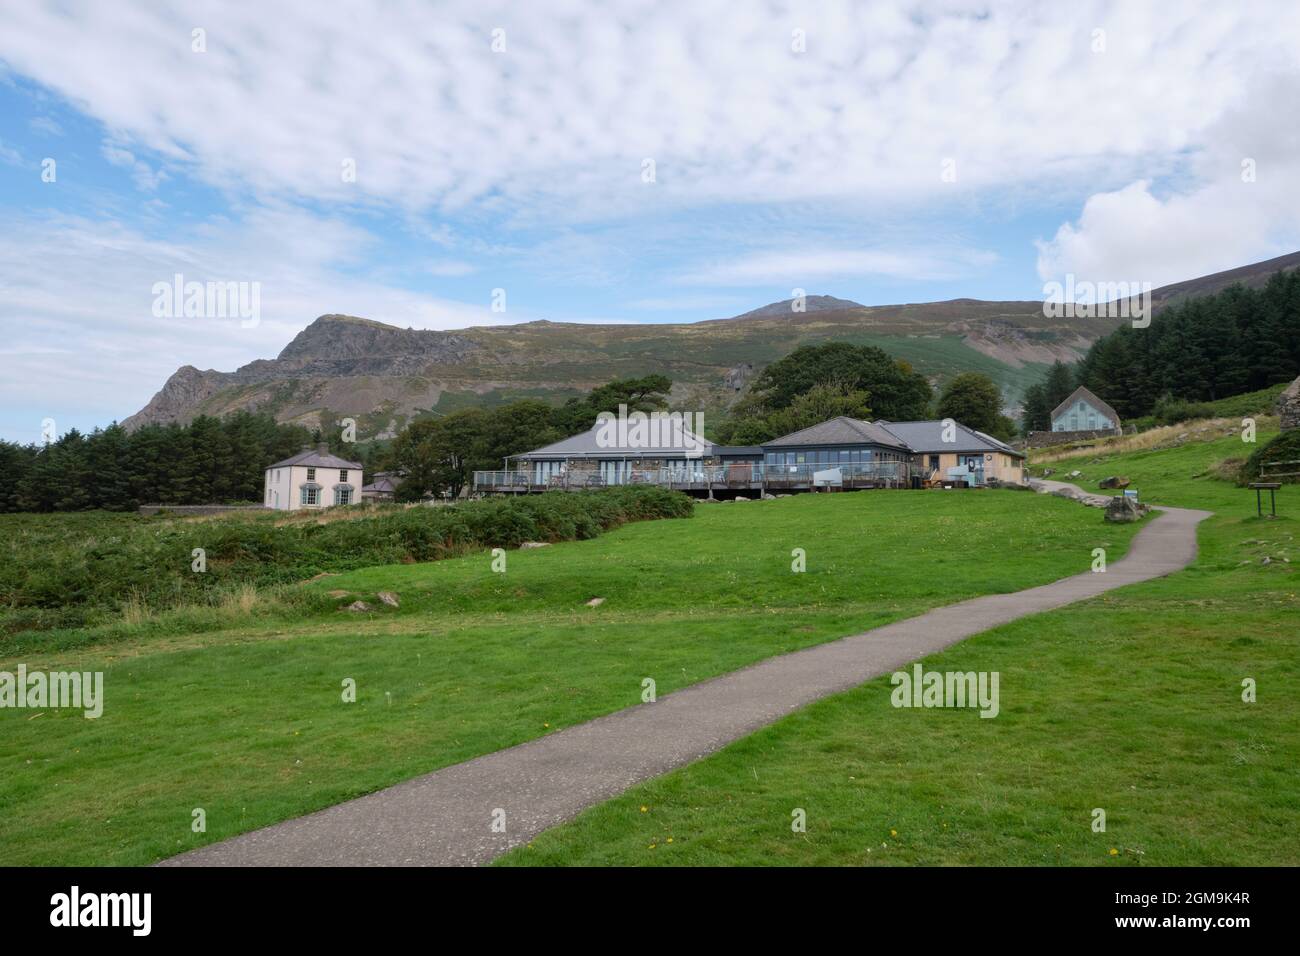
45 126
77 301
1235 201
145 176
560 123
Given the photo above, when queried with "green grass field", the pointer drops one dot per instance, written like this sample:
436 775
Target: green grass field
247 721
1131 703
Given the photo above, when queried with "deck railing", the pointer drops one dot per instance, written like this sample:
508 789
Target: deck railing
734 475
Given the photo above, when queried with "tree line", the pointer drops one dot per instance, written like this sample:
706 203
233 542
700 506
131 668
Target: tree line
1199 350
210 460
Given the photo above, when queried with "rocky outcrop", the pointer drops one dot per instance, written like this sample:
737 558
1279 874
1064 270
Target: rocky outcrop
349 365
186 390
1288 407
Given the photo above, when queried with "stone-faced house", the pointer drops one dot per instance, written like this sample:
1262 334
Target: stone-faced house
313 478
1084 412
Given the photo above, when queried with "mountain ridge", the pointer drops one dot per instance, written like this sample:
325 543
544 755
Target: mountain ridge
384 375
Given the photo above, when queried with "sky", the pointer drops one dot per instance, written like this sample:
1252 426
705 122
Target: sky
441 165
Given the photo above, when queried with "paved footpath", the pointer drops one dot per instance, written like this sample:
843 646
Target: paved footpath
445 818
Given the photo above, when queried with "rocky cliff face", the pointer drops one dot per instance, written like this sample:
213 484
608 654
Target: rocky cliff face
187 389
344 343
333 364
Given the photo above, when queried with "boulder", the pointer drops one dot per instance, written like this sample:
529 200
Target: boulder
1114 481
389 598
1122 508
595 602
534 544
358 606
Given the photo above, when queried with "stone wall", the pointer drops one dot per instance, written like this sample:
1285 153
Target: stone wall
198 509
1046 439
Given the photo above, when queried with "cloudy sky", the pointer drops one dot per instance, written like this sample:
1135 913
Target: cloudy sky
620 160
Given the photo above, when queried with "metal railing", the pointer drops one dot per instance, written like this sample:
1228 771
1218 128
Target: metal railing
735 474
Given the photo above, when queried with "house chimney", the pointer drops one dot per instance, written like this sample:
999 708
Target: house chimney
323 448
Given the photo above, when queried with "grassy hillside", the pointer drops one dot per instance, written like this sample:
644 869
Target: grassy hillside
1131 703
247 722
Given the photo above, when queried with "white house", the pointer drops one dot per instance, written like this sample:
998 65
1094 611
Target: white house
313 478
1084 412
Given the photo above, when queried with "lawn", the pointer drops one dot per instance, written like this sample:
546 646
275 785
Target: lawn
248 722
1130 703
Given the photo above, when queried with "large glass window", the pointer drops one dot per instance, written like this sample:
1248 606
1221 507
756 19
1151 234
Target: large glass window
343 496
310 496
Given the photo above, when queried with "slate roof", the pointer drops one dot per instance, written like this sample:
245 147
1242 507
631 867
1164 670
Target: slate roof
383 482
1091 399
927 437
840 431
315 458
585 445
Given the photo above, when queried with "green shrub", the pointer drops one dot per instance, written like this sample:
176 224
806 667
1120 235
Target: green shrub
1171 411
67 570
1284 448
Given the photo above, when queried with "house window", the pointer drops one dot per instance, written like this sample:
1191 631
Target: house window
343 474
343 496
310 496
934 462
311 474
